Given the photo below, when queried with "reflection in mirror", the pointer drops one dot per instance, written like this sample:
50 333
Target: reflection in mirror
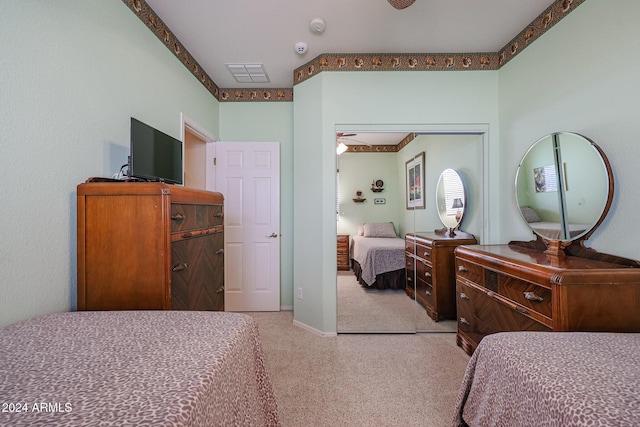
371 294
450 199
564 187
360 166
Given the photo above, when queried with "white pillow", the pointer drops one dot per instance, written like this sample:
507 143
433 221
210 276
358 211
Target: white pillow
379 229
361 230
529 214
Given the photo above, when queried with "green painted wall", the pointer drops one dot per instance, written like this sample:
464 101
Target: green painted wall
332 100
581 76
357 171
260 122
73 73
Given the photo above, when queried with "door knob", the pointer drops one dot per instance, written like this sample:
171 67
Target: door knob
272 235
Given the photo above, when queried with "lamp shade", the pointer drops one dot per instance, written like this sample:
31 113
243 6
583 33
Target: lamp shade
401 4
341 148
457 203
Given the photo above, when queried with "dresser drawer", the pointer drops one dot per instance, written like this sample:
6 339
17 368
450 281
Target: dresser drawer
470 271
424 271
424 292
526 294
189 217
424 251
409 245
480 314
209 216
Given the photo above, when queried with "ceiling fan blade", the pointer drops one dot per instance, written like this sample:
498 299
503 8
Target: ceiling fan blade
355 140
341 135
401 4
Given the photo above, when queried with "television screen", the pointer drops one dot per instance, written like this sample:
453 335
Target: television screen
155 156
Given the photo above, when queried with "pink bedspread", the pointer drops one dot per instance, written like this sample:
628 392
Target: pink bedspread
559 379
153 368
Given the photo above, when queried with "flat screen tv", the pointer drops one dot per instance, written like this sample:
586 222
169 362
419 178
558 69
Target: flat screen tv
154 155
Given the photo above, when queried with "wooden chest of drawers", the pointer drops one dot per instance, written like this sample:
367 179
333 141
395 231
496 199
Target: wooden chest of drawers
430 260
149 246
502 288
343 252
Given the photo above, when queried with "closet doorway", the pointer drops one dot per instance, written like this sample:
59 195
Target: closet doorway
364 310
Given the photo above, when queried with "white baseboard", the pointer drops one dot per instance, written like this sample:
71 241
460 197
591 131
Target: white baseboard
314 330
286 308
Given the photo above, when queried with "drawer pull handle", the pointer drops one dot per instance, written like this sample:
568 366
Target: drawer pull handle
178 217
218 215
220 289
464 321
464 296
531 296
427 254
220 251
409 279
428 293
462 269
186 235
407 248
427 274
180 266
521 310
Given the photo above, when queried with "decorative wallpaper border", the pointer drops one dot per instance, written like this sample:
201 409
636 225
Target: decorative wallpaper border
357 62
381 148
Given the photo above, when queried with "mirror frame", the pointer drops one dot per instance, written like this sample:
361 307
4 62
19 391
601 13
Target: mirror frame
441 192
557 246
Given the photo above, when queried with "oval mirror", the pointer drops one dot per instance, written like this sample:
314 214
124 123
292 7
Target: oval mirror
564 187
450 199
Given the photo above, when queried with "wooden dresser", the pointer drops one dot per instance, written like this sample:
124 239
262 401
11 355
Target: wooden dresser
432 254
503 288
343 252
149 246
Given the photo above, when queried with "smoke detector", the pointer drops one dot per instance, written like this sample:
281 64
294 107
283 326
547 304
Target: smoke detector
317 25
300 48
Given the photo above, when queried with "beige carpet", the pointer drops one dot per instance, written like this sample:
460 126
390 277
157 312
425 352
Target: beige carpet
363 309
360 379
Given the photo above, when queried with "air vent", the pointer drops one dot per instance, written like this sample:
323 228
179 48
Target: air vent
248 73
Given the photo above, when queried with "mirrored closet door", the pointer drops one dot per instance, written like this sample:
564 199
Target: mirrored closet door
386 188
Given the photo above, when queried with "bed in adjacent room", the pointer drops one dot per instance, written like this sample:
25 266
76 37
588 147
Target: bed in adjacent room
156 368
549 229
377 255
552 379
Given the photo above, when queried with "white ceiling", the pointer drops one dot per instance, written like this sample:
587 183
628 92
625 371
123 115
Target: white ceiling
259 31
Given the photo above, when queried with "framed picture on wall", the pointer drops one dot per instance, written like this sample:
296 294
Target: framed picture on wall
415 182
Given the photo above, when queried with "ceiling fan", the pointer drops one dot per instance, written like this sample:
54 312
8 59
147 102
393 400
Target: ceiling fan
342 139
401 4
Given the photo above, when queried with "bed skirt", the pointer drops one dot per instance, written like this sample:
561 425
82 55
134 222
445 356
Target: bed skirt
390 280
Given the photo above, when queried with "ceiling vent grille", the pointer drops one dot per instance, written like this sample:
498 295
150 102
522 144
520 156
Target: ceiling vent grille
248 73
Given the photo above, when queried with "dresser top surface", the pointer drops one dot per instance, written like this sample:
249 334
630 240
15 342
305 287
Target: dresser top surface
444 239
510 254
178 193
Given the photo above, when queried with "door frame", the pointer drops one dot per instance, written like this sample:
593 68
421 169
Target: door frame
186 123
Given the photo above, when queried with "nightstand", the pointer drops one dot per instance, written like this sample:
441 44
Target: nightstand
343 252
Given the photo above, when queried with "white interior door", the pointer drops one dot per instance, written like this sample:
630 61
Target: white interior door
248 176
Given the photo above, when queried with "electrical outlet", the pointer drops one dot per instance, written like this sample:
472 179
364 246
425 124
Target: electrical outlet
379 201
299 293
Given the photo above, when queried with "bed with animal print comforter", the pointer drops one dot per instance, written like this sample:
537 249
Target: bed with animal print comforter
552 379
153 368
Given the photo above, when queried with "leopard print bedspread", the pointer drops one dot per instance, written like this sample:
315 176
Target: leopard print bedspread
135 368
552 379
